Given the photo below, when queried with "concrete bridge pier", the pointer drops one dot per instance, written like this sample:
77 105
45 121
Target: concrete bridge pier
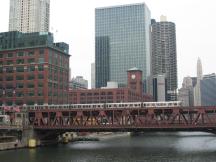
29 138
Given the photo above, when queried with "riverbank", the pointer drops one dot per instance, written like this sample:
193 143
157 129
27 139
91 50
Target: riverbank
11 146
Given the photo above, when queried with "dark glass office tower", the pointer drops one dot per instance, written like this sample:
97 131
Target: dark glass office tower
164 58
122 42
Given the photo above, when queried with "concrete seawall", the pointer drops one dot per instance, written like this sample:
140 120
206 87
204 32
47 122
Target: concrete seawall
10 145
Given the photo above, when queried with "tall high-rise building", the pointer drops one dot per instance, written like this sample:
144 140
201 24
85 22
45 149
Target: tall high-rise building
29 15
164 57
197 90
92 75
122 42
199 69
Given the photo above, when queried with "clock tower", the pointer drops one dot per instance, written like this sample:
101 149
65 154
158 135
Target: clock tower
135 80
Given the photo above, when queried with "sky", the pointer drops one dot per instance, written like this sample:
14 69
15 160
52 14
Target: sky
72 21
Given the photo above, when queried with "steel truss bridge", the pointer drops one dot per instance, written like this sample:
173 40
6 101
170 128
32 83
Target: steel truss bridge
59 118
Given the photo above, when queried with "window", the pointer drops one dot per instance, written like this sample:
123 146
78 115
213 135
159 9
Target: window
10 62
20 77
40 93
40 68
9 94
31 68
10 55
40 60
20 54
31 53
1 55
32 60
20 61
20 85
20 69
9 69
31 93
19 94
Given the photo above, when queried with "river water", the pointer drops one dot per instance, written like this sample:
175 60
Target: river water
150 147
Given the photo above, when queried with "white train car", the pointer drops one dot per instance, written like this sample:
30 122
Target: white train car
163 104
123 105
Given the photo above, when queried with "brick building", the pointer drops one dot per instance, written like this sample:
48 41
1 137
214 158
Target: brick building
133 92
33 70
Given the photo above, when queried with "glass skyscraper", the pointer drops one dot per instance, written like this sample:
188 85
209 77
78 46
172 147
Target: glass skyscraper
122 42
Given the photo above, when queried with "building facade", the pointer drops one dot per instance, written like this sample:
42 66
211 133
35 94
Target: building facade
122 42
78 83
112 94
159 87
29 15
33 70
208 90
164 55
186 92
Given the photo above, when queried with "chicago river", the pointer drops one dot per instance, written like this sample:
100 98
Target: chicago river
149 147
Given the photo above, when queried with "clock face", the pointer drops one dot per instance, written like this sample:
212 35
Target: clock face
133 76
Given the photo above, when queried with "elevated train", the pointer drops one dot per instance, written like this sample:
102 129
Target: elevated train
109 105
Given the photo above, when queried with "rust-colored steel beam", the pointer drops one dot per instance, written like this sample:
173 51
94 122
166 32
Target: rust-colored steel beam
125 119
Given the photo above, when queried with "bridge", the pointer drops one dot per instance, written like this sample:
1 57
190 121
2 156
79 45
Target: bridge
45 123
67 118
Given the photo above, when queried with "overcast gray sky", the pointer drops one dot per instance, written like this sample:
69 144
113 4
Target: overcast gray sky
72 21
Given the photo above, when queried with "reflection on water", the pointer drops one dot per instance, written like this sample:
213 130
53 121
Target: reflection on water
151 147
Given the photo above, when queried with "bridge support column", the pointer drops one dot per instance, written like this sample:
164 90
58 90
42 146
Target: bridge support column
29 138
